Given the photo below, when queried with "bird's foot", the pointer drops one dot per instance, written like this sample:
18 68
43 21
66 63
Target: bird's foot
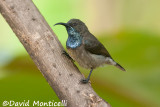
84 81
65 53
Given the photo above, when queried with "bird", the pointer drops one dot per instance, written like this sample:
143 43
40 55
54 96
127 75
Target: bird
84 48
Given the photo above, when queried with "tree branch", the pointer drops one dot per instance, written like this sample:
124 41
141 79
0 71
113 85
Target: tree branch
46 51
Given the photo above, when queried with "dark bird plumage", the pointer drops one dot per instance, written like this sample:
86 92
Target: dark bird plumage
84 47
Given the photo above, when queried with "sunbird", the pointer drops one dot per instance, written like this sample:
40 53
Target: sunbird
84 48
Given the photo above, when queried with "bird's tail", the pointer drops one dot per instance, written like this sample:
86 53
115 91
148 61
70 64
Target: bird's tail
120 67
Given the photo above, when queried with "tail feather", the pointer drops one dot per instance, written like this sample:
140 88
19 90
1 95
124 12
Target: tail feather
120 67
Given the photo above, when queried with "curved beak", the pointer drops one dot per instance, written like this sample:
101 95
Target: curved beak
64 24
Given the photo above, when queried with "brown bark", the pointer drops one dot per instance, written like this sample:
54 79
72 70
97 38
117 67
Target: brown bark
46 51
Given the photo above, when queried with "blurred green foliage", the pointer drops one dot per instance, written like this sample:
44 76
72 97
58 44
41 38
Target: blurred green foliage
139 86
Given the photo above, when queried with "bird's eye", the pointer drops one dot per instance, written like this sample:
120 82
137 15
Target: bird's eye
74 24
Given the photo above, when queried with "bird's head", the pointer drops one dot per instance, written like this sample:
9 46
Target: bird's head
75 24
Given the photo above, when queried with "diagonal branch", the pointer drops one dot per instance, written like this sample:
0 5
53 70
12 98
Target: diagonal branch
46 51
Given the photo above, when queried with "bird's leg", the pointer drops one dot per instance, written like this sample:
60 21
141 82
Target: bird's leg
87 79
65 53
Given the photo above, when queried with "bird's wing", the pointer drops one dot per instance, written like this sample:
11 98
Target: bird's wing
92 45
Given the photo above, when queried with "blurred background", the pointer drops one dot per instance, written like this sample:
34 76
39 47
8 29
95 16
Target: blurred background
129 29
